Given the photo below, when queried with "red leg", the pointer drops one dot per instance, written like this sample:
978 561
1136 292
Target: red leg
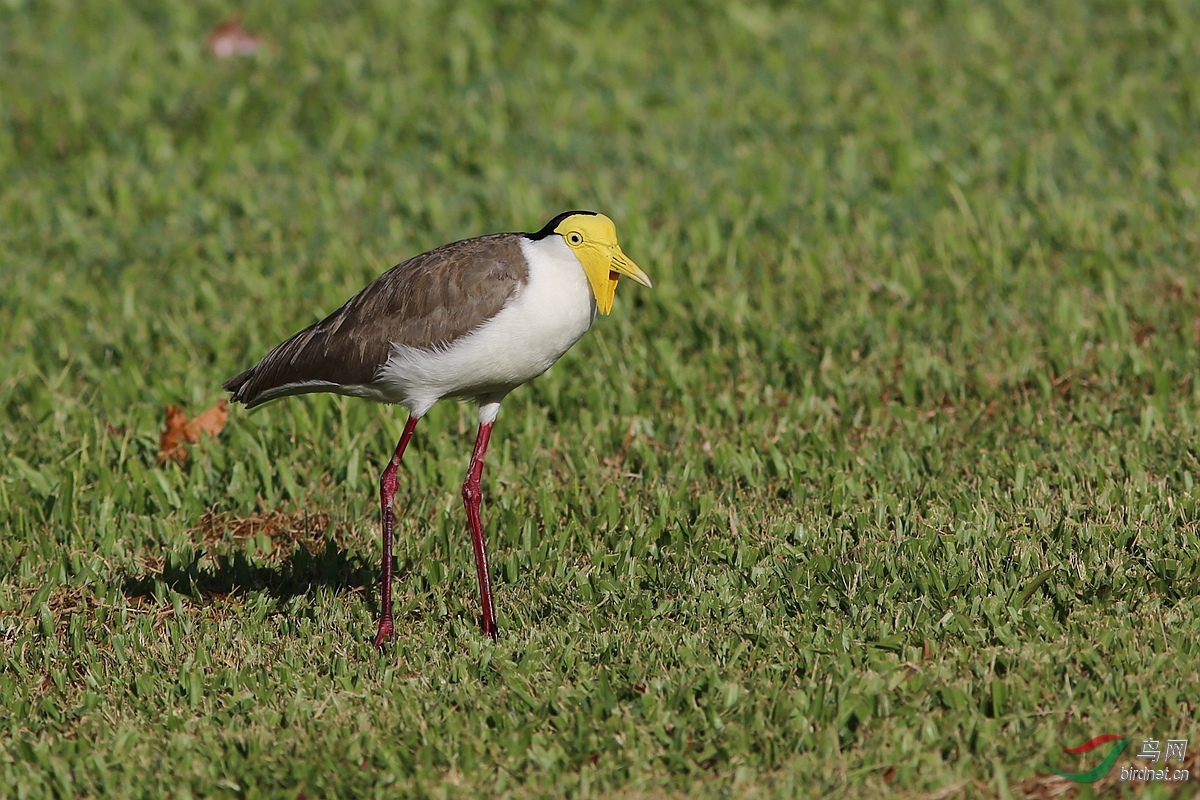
388 482
472 496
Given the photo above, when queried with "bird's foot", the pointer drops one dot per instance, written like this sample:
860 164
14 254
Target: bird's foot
385 631
489 627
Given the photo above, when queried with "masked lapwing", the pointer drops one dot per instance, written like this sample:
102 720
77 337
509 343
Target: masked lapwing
472 320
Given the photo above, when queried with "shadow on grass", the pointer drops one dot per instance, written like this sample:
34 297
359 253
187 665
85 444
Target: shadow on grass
207 577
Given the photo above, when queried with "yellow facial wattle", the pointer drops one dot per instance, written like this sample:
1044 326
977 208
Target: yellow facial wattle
593 239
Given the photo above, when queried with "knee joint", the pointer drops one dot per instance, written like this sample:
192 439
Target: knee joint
388 483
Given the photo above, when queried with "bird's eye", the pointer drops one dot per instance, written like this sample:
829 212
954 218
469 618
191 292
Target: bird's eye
574 237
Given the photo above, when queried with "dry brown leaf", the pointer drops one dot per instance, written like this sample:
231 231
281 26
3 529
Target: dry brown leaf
178 430
170 441
230 39
211 422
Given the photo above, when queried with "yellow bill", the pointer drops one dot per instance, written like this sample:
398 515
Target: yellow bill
603 277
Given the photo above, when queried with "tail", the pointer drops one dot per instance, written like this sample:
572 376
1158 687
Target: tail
249 387
314 360
278 375
238 385
282 372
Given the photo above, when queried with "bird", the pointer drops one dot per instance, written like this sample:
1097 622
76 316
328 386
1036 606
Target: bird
470 320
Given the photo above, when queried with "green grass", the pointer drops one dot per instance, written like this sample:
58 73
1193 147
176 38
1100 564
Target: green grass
887 487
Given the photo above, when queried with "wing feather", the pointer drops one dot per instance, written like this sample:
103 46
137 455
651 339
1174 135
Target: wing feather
427 302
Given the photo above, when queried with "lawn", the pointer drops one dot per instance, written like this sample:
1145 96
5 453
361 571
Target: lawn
887 488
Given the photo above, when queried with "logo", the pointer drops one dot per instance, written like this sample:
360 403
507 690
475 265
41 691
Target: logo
1176 748
1101 769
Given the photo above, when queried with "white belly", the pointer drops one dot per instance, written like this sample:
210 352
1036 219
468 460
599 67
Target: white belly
541 322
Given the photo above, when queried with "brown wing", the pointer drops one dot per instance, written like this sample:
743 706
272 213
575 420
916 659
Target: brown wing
426 302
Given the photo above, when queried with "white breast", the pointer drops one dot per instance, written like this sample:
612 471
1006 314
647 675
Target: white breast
540 323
